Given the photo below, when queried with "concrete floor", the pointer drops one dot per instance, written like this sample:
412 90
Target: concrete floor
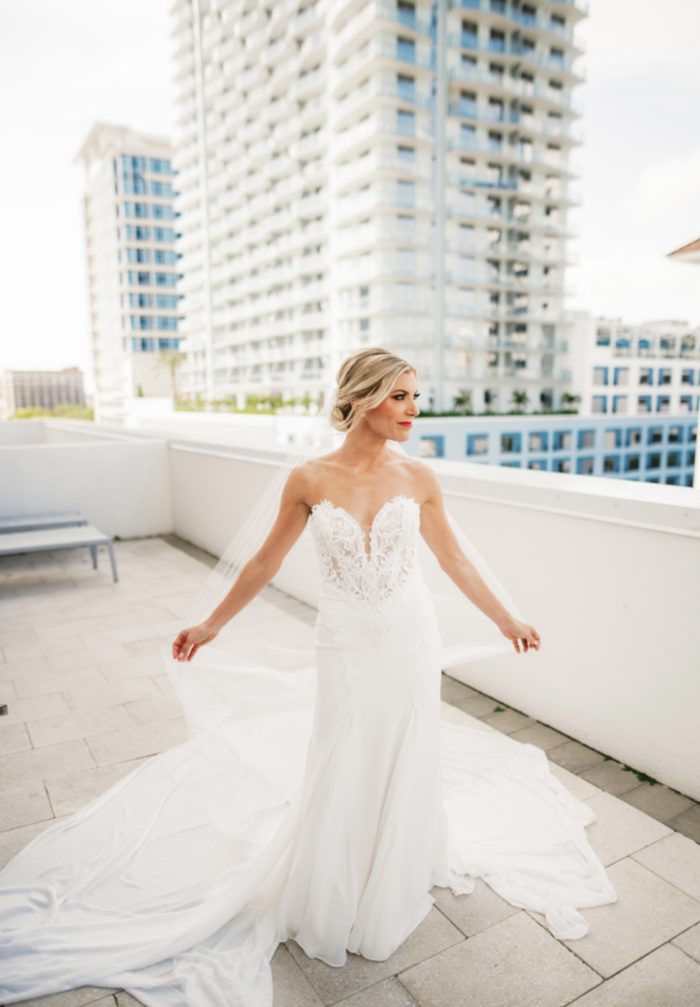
87 704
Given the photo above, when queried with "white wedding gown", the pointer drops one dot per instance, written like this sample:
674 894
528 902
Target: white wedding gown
322 806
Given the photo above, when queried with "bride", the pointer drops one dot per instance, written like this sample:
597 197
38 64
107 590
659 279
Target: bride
318 803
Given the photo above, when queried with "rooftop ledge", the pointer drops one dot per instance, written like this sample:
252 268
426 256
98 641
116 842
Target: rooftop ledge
606 570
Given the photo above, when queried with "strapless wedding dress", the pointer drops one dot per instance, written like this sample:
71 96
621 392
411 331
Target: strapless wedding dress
322 806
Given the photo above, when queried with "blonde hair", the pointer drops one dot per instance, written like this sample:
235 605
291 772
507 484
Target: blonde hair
368 375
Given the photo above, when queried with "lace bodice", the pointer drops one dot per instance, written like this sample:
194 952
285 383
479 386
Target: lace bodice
368 575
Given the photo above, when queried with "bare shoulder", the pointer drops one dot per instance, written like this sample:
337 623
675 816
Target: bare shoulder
424 479
303 480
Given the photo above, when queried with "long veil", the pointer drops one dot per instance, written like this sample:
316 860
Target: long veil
165 885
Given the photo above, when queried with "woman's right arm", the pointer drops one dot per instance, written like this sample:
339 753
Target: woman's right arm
259 570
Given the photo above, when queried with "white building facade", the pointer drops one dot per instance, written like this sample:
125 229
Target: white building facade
132 266
40 390
378 173
635 370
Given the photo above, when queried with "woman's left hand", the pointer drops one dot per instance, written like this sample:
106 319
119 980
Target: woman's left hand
521 634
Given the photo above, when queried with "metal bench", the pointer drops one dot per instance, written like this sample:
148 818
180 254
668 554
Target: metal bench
36 522
50 539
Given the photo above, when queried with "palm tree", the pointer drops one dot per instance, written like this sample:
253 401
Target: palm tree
520 399
172 360
462 401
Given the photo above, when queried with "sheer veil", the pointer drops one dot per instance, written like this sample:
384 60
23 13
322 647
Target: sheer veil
260 641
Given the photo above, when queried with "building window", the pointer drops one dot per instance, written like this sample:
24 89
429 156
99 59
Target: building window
497 41
673 459
470 35
432 446
538 440
646 376
405 153
632 463
538 464
477 444
622 376
510 443
611 463
405 192
612 438
653 460
467 104
619 404
663 403
584 466
586 439
406 12
655 435
600 375
599 404
664 376
633 437
644 403
511 465
406 86
686 403
405 122
563 440
561 465
674 435
406 49
690 458
687 376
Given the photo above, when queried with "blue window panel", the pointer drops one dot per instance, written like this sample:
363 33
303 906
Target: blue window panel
562 440
585 465
168 344
477 444
165 324
142 345
585 439
600 404
664 376
406 49
405 122
540 464
611 463
619 404
165 279
646 376
538 440
432 446
644 403
618 375
511 442
511 465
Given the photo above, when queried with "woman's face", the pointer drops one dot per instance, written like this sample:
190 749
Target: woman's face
393 417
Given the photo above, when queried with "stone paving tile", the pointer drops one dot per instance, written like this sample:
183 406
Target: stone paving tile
290 986
69 793
13 738
43 763
91 657
574 756
453 691
689 942
42 682
33 708
389 993
17 668
477 706
664 978
657 800
453 715
648 913
84 996
677 860
576 784
111 694
541 735
514 963
136 741
475 911
509 721
125 999
620 829
687 823
81 724
434 934
149 711
24 804
610 776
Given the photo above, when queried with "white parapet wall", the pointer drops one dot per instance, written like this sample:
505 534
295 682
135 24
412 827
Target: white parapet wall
607 571
120 485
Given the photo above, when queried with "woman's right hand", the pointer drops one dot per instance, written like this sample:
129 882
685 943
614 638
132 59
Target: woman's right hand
188 641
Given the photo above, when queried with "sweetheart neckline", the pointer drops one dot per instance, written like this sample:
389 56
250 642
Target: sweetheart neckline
365 540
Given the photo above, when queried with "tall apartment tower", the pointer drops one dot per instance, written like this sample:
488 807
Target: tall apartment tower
373 172
132 266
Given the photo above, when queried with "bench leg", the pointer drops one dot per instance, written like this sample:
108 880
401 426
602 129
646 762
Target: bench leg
113 561
93 554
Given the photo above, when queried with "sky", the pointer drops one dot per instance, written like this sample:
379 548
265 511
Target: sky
64 65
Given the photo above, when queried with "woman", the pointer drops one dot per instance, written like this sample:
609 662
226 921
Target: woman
321 807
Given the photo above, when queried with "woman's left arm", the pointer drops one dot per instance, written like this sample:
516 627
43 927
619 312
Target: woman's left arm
437 532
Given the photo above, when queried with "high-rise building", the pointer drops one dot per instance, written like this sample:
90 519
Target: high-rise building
132 265
377 173
40 390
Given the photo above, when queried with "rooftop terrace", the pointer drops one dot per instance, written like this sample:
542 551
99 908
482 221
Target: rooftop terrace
88 702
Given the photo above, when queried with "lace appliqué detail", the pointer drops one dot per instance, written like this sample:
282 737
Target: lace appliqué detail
345 563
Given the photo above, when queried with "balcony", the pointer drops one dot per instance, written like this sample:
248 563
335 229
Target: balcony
615 685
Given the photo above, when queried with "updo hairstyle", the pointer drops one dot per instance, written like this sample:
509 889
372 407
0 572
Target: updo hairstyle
368 375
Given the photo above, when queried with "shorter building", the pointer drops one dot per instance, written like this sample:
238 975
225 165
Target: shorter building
656 449
40 390
635 370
